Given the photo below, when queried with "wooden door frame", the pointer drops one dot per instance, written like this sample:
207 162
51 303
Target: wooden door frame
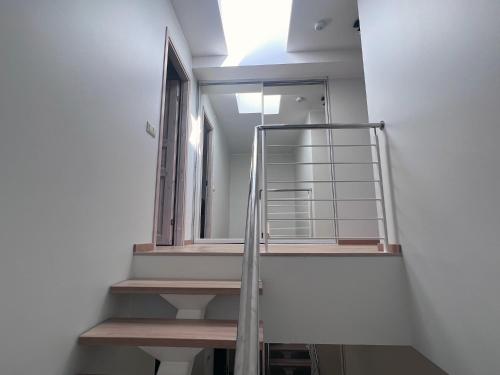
180 214
210 170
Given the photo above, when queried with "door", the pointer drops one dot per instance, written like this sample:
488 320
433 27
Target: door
168 166
206 181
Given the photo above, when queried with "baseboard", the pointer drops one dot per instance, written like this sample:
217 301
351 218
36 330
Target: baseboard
358 242
392 248
143 247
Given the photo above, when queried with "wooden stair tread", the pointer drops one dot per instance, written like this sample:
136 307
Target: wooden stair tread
290 362
164 332
178 286
288 347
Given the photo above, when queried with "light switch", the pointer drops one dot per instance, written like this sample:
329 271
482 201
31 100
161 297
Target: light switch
150 129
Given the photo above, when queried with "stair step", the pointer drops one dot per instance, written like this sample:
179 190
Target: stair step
290 362
288 347
164 332
178 286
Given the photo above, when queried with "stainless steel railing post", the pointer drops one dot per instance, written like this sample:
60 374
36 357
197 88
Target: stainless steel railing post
381 187
265 227
248 341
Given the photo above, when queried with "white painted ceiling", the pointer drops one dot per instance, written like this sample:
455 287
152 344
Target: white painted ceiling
334 52
238 128
338 34
202 26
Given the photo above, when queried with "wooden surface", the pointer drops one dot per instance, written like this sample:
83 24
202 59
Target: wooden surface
274 250
163 332
289 362
358 242
288 347
392 248
176 286
143 247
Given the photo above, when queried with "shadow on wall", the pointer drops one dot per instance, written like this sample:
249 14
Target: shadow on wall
374 360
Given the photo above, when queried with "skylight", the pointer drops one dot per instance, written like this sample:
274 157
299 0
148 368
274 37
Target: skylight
250 25
272 104
251 102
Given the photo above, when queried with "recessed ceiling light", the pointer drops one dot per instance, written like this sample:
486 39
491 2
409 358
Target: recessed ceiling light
251 102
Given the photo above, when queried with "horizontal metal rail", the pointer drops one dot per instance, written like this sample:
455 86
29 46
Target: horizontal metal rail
323 200
329 219
283 237
373 125
288 213
343 145
289 228
323 163
288 190
288 205
316 181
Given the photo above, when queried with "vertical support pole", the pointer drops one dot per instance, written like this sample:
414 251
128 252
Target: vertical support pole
334 185
247 361
381 187
310 208
265 228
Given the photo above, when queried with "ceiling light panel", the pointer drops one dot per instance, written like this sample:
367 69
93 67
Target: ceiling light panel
251 102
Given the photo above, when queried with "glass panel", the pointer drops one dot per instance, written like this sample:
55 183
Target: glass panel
290 211
232 111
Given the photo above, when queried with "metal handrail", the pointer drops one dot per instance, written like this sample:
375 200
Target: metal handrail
248 337
248 342
370 125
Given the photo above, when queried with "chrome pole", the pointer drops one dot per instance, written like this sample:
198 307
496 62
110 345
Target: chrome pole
265 228
381 186
248 341
334 185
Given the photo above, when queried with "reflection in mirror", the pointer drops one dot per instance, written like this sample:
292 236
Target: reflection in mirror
231 111
320 182
325 359
291 209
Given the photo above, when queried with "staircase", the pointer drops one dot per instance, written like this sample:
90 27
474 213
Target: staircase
289 359
174 342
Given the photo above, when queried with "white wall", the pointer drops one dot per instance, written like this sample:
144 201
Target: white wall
220 174
433 74
239 167
348 105
78 81
239 185
322 209
374 360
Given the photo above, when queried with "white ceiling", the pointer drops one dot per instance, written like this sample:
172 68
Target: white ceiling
202 26
238 128
339 33
305 56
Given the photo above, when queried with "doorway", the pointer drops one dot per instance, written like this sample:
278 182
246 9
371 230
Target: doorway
170 178
206 180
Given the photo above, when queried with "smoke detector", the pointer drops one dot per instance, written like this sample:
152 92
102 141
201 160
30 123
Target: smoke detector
299 99
320 25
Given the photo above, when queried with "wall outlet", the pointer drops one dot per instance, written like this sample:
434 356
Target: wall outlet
150 129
